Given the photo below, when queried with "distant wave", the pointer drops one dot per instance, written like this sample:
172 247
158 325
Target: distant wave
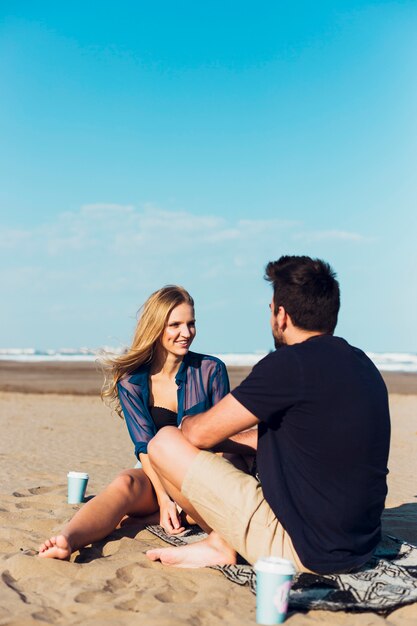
385 361
394 361
31 355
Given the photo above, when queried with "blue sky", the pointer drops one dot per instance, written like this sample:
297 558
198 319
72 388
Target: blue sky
151 143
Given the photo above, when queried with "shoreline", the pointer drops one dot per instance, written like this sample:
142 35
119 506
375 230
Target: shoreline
85 378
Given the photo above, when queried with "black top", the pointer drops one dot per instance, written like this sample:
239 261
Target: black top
323 442
163 417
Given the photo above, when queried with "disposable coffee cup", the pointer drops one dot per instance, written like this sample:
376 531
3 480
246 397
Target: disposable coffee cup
77 484
274 578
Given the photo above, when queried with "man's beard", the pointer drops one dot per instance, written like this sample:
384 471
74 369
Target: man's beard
278 336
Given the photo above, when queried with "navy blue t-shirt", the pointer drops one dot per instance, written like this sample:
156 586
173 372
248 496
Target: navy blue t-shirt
323 443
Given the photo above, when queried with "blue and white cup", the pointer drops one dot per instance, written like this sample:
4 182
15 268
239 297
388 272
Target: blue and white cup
274 578
77 484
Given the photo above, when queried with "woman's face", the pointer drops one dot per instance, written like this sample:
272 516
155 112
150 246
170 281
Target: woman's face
179 331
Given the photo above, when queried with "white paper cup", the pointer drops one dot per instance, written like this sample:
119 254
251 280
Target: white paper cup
77 484
274 578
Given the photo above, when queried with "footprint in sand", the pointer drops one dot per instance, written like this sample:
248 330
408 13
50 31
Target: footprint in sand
23 505
33 491
223 614
146 600
39 490
11 582
93 597
171 594
49 615
122 579
131 605
141 602
127 575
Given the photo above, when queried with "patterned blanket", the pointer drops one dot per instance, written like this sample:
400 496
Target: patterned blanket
386 582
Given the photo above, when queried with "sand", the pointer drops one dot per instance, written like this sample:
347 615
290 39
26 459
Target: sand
46 434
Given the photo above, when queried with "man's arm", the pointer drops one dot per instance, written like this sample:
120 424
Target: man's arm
245 442
224 421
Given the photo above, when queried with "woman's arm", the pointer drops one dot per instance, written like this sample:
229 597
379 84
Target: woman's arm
169 518
139 425
220 386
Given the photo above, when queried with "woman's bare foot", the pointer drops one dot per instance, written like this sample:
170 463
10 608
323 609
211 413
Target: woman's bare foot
56 548
211 551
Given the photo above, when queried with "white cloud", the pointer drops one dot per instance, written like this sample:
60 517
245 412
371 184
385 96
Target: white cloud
331 235
265 225
104 210
12 238
114 248
114 234
124 231
85 273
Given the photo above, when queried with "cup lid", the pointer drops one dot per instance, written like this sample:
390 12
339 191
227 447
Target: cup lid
275 564
77 475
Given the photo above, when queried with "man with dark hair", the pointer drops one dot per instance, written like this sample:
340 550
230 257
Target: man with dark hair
307 289
322 444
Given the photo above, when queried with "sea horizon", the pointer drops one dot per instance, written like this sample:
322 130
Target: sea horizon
384 361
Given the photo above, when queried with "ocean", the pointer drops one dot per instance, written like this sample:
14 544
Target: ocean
384 361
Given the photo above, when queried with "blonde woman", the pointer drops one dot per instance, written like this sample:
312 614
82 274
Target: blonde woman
154 384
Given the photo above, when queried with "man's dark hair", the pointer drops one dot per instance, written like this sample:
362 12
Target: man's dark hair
307 289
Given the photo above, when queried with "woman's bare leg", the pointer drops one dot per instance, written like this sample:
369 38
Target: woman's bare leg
131 493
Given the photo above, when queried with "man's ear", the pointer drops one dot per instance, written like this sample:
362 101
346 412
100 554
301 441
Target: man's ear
282 318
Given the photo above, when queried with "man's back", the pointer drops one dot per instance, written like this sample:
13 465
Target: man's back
323 447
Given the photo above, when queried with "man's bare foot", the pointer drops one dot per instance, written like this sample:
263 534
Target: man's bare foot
211 551
56 548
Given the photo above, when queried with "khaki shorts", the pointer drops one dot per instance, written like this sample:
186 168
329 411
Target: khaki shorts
232 503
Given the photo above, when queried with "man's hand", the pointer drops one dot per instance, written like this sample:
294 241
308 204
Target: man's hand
169 517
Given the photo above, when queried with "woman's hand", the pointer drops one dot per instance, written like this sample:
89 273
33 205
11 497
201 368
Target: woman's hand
169 517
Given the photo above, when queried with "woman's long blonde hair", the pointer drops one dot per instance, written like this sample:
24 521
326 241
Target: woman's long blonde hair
151 323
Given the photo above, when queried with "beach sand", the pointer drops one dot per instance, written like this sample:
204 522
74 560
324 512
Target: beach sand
52 421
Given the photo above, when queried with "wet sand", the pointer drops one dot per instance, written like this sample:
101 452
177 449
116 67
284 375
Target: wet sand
85 378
